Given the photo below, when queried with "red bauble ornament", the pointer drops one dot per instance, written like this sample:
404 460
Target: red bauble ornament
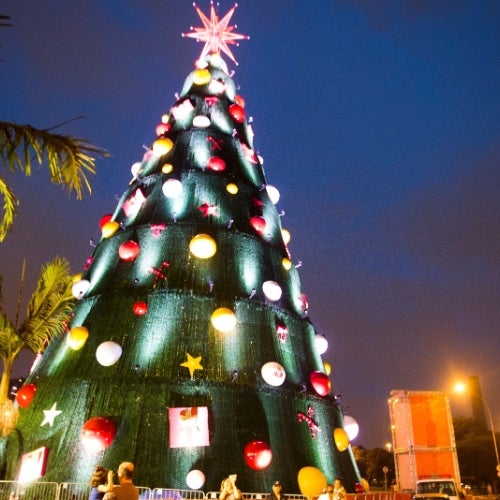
140 308
216 164
97 434
320 383
237 113
258 223
163 128
25 395
305 303
258 455
129 250
104 219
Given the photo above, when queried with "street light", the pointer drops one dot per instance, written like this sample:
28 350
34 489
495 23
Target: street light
461 387
385 470
490 418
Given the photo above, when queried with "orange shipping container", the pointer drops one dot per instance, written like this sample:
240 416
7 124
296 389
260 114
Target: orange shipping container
423 437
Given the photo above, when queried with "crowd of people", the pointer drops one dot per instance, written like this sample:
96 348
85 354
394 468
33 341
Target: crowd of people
103 487
229 490
335 491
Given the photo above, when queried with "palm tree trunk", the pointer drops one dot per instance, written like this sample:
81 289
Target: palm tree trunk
4 383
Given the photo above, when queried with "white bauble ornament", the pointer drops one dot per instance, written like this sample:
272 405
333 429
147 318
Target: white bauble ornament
172 188
195 479
351 427
108 353
79 289
271 290
273 373
320 343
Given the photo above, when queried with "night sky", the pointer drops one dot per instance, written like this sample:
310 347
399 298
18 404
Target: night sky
378 121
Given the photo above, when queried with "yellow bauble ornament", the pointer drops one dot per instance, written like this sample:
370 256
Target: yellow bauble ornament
341 439
109 228
201 76
162 146
285 234
223 319
77 337
311 481
203 246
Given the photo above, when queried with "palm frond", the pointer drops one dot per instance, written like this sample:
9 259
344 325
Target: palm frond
69 159
10 342
50 305
10 203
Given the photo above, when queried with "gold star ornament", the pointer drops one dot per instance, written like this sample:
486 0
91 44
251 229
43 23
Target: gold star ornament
192 364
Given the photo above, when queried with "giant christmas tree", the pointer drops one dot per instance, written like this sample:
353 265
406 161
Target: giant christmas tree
190 349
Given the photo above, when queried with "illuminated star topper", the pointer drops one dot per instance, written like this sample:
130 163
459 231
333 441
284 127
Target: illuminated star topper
216 33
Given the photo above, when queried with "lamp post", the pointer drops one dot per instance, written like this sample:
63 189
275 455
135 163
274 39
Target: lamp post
492 427
385 470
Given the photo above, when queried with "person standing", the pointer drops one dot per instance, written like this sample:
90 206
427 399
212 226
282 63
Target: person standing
277 492
229 490
328 493
101 482
126 489
339 492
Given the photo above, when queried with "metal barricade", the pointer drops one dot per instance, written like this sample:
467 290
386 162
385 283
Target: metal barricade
379 495
12 490
73 491
174 494
213 495
6 488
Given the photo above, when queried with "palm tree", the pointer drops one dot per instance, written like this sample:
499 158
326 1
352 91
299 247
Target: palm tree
47 314
69 159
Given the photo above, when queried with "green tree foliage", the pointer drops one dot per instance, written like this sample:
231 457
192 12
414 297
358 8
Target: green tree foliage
70 160
476 453
361 457
378 458
47 313
467 427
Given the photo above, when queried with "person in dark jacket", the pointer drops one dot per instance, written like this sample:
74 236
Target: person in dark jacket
277 492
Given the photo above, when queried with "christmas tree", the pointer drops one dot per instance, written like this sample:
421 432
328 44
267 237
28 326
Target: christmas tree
190 351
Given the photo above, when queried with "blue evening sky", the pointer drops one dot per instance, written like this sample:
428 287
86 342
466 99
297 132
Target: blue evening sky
378 121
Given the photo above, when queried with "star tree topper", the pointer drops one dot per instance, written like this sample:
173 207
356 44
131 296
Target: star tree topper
216 33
